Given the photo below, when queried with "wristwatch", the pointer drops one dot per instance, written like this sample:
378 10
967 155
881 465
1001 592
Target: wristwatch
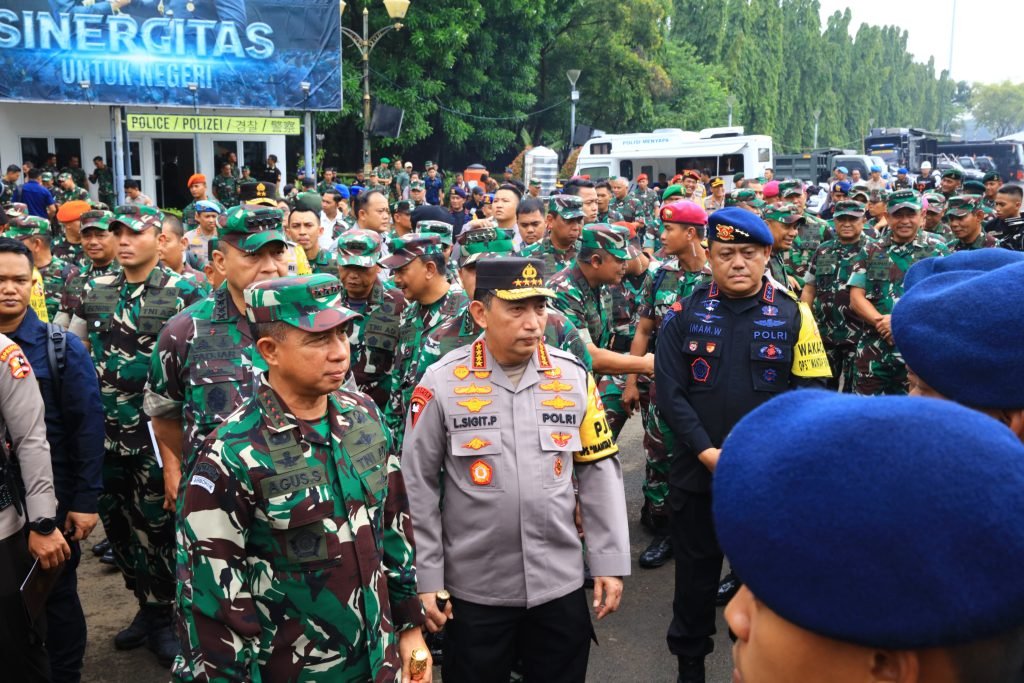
44 526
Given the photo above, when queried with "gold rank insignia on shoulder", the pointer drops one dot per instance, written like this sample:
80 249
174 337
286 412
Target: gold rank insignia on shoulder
482 374
476 443
472 389
553 373
555 386
558 403
475 405
461 371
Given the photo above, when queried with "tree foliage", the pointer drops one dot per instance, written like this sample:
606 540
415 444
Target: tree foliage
1000 107
478 77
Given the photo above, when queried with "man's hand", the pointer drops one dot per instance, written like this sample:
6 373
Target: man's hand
51 549
83 524
172 478
884 327
709 457
648 364
607 595
435 618
409 640
630 395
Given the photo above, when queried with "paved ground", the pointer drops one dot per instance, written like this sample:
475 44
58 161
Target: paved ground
632 640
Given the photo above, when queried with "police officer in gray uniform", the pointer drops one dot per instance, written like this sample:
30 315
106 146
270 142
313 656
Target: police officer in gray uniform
501 537
26 495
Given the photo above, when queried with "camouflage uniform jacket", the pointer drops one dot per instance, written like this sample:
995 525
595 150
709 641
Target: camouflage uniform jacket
669 284
555 259
7 191
202 370
417 322
629 207
225 189
75 193
879 268
625 300
105 186
77 174
188 216
69 252
586 307
780 267
983 241
463 331
374 339
829 272
806 242
610 216
298 548
324 262
78 278
649 201
55 277
122 321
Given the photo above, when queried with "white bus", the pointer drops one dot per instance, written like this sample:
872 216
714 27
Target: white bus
665 152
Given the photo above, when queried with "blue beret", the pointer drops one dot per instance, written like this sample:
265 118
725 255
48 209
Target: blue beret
850 517
342 190
875 169
842 169
355 190
901 170
959 324
843 186
459 191
738 226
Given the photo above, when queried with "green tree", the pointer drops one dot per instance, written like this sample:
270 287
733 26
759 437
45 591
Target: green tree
999 107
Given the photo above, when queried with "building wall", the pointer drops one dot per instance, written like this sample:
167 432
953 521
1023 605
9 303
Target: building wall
92 126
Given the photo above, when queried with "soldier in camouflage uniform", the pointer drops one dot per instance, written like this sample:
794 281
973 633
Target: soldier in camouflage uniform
383 172
205 362
197 188
826 292
34 233
627 205
100 247
561 239
120 317
68 191
327 183
374 337
418 266
207 213
935 224
965 216
684 228
443 231
876 224
225 187
648 197
298 543
462 330
785 221
876 284
74 167
304 229
606 214
949 182
103 177
68 246
9 184
793 191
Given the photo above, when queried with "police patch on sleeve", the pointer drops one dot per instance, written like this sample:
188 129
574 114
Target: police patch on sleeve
809 359
16 361
595 434
421 396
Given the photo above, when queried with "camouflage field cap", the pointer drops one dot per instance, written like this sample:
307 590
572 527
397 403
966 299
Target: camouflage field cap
97 220
785 213
860 192
936 202
401 206
308 201
512 278
568 206
312 303
46 177
417 185
954 173
16 209
248 227
848 207
962 205
623 228
875 196
137 218
482 242
534 182
406 249
903 199
257 192
672 191
746 196
794 187
607 237
64 176
28 226
440 228
973 187
359 248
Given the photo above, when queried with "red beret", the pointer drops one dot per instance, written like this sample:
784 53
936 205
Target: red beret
642 176
690 173
196 178
683 211
72 211
770 189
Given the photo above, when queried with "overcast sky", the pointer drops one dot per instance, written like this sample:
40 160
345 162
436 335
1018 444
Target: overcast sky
988 33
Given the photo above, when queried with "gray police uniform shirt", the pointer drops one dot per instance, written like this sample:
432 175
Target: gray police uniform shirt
503 532
24 416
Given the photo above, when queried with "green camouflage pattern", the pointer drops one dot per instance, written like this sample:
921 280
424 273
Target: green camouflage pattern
324 263
555 259
78 277
77 174
983 241
610 238
68 252
609 216
249 227
374 339
587 308
55 276
7 190
649 201
105 185
418 321
225 190
75 193
629 207
297 561
309 302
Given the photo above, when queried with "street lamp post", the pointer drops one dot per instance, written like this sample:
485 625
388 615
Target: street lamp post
365 43
817 115
731 101
574 96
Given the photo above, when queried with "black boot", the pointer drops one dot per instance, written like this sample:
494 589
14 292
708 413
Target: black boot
137 632
729 587
691 670
101 548
108 558
658 552
162 640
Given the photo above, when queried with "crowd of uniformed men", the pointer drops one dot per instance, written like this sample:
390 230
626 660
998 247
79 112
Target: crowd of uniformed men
264 398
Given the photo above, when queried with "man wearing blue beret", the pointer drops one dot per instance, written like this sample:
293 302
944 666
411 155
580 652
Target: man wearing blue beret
942 303
865 562
724 350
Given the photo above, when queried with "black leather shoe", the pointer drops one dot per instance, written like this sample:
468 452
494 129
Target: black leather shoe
101 548
691 670
108 558
658 552
729 586
162 642
137 632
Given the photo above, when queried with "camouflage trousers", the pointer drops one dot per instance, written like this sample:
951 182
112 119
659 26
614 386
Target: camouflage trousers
140 531
658 443
842 359
878 368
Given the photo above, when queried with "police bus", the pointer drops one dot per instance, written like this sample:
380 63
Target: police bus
663 153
